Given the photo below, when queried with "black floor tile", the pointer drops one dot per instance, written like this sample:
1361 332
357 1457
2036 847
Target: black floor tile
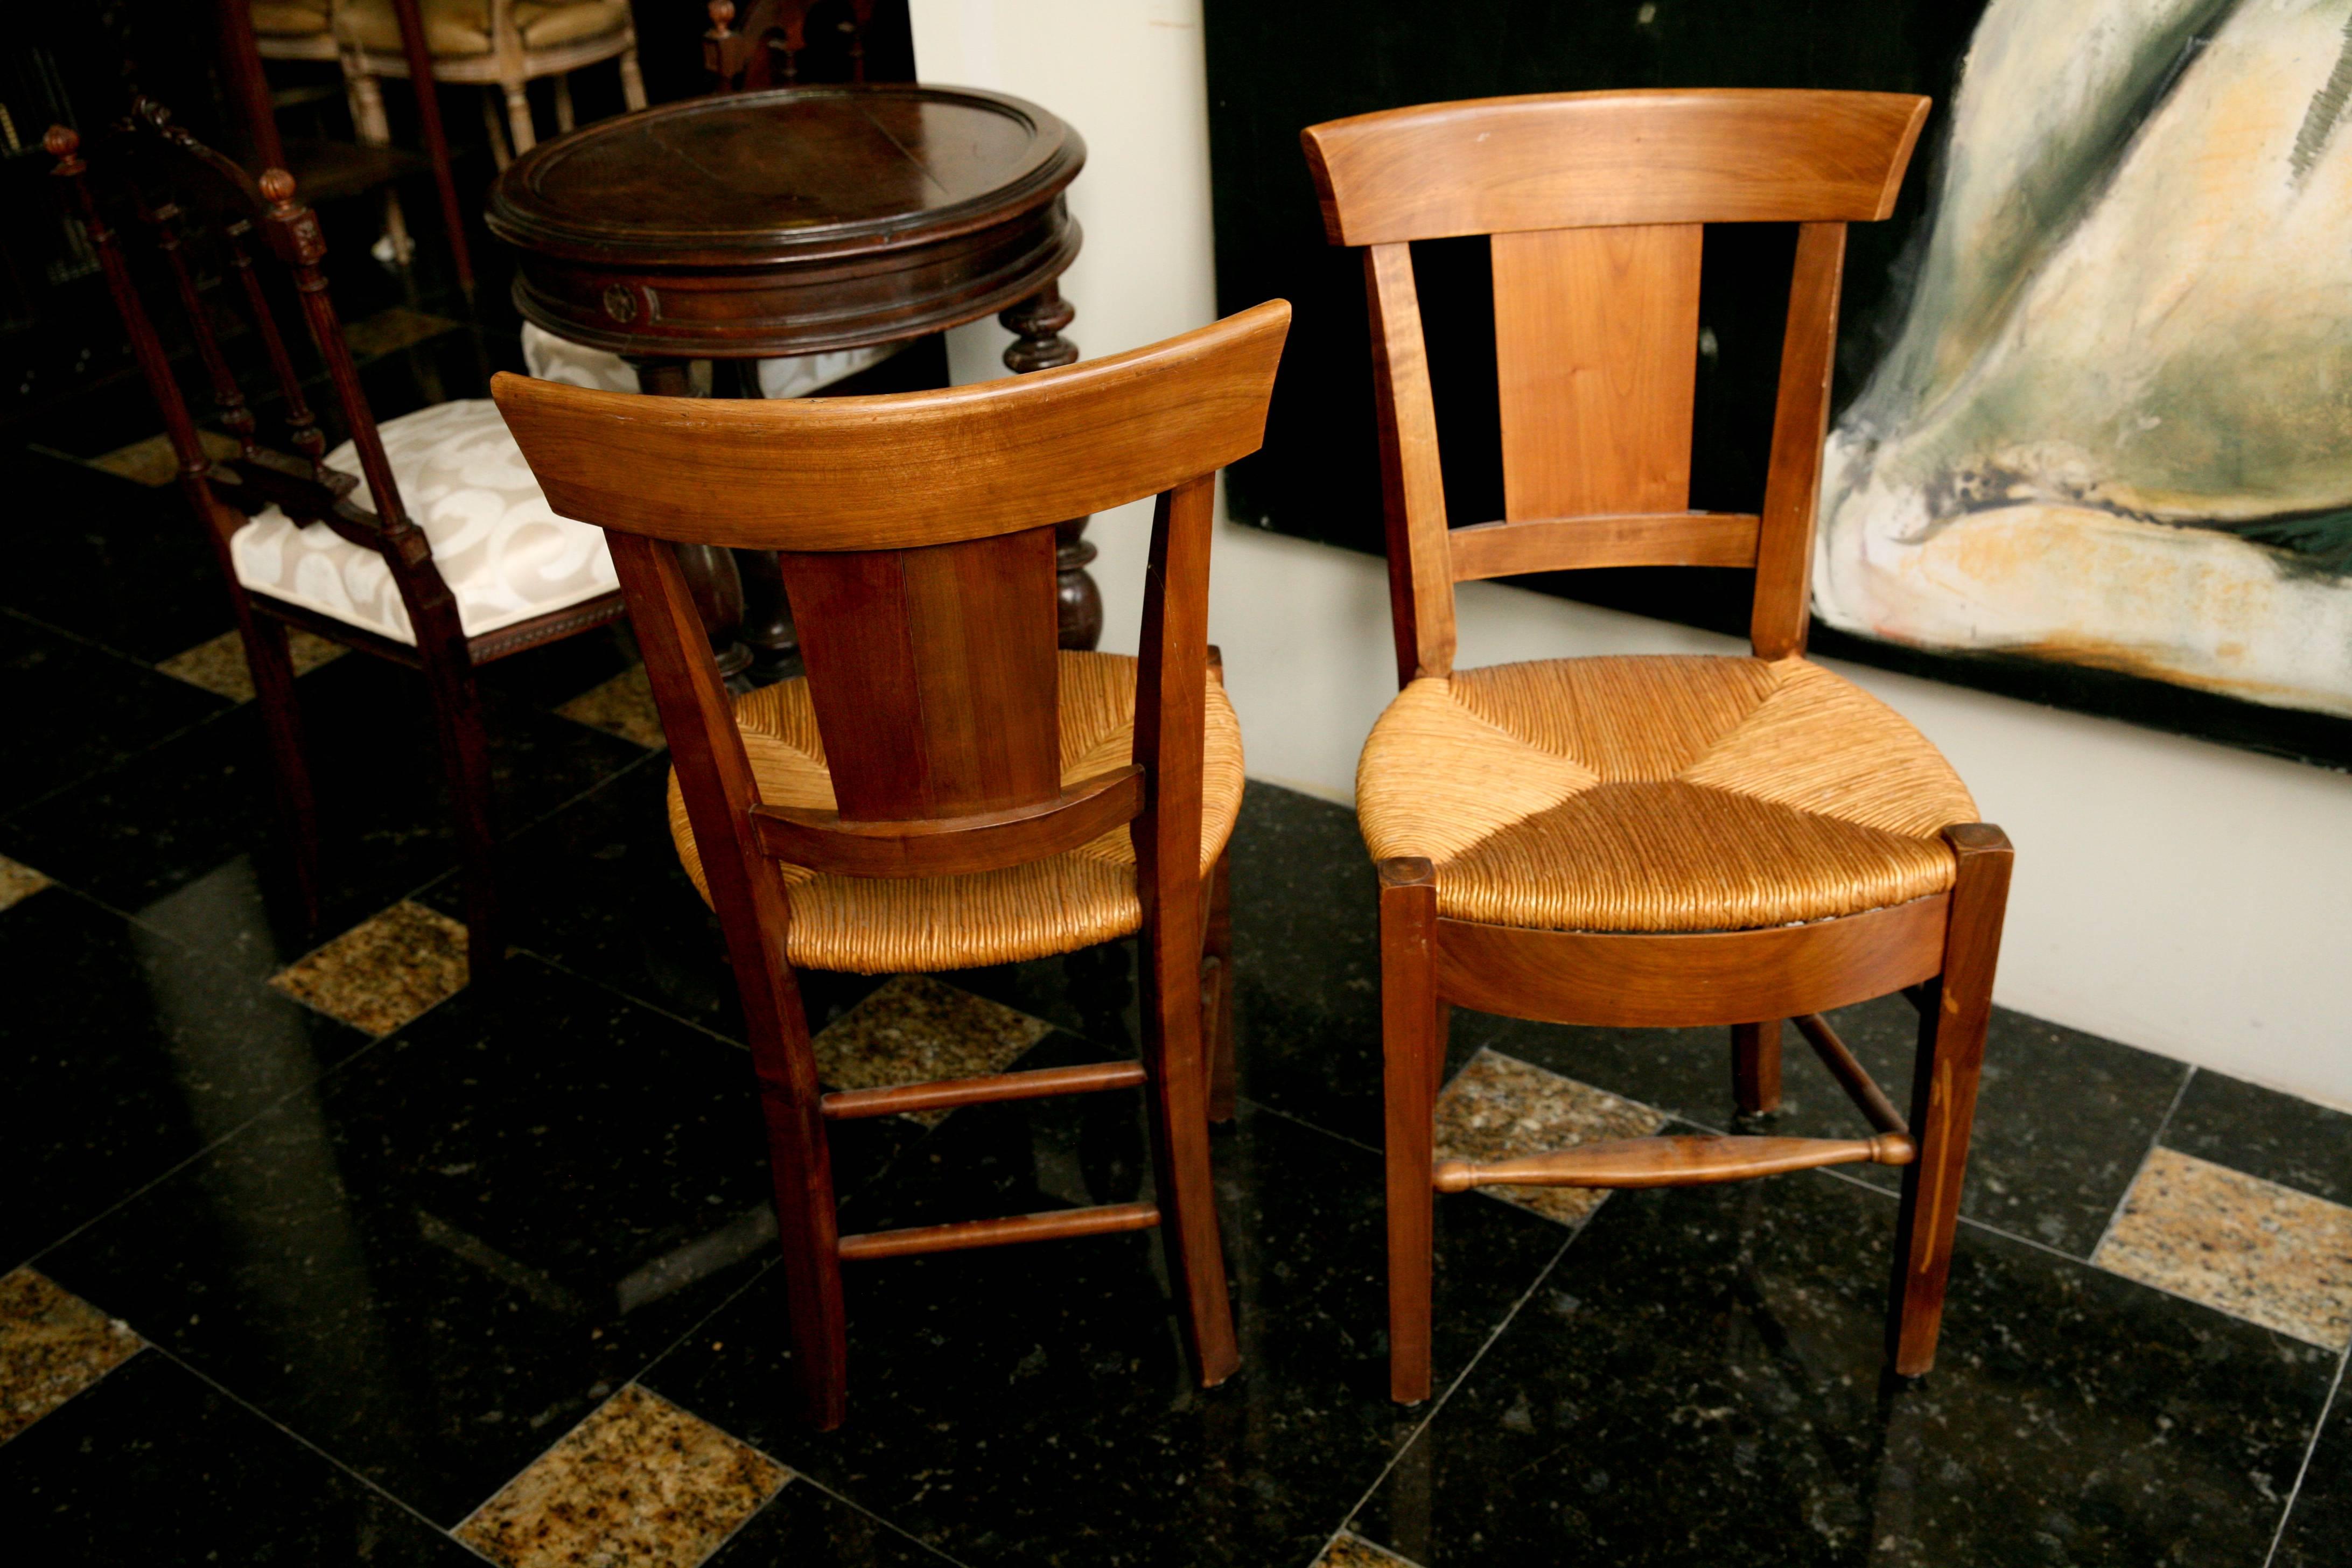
2063 1120
122 1052
442 1258
597 889
151 826
77 710
154 1467
1032 1403
1699 1381
1307 961
2264 1134
805 1527
109 560
2318 1532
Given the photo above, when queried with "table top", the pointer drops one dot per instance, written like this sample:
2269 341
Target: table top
792 176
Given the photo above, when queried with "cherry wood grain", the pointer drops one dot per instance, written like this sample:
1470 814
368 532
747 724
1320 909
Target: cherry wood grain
1421 593
1674 1161
1859 1086
1592 159
1784 544
1412 1056
1638 981
1056 1224
1572 544
1756 1067
1944 1094
914 469
1596 358
950 846
943 1094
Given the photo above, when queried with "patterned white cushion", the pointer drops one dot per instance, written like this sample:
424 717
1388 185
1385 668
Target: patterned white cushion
548 357
505 555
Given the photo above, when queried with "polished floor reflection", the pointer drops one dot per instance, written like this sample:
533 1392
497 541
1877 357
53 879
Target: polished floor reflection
323 1256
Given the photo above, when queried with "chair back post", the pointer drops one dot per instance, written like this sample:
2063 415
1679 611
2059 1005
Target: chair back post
1594 206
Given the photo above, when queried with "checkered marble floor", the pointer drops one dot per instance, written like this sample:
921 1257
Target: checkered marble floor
322 1255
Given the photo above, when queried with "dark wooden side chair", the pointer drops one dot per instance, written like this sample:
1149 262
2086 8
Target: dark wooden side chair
327 540
943 788
1643 842
765 51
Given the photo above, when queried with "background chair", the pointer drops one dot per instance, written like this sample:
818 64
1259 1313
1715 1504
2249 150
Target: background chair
1647 842
943 788
325 539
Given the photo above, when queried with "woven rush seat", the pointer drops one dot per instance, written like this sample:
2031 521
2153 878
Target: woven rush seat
885 925
1658 794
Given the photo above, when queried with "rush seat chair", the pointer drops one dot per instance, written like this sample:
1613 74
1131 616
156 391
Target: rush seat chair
1645 841
944 788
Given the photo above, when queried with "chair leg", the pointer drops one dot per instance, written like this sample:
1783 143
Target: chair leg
1943 1095
800 1165
1756 1067
633 83
563 121
1177 1095
1217 992
281 718
466 764
500 154
519 124
1408 1036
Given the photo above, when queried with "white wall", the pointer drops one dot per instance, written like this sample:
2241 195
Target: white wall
2183 897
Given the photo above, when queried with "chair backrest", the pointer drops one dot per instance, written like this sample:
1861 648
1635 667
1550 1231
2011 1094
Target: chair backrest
202 213
916 536
766 50
1595 204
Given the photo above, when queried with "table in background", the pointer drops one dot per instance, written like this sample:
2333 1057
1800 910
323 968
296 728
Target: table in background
801 221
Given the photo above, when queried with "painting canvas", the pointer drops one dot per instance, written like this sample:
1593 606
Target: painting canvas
2114 426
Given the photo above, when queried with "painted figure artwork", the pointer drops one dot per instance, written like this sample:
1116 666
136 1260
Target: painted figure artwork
2115 425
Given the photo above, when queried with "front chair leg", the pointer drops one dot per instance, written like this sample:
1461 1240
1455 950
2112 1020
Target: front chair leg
1756 1067
466 764
266 656
1944 1094
1410 1039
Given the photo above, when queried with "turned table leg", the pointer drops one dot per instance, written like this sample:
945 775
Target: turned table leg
711 571
1037 324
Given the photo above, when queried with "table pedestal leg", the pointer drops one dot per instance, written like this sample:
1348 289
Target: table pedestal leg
1038 344
711 571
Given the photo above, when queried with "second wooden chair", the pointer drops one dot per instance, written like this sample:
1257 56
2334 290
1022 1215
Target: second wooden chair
944 789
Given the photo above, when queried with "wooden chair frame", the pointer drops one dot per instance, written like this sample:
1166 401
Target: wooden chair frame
1594 203
916 540
147 153
766 50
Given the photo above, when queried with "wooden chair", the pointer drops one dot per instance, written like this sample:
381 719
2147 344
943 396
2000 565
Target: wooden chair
944 788
326 539
766 50
501 44
1643 842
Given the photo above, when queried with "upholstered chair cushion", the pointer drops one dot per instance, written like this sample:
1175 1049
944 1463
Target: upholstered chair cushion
292 18
880 925
453 28
1657 794
505 555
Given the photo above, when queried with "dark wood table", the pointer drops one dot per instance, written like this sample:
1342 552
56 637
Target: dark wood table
799 221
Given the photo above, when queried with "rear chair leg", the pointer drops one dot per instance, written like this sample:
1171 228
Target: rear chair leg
1756 1067
1944 1094
807 1226
465 764
1217 991
1410 1038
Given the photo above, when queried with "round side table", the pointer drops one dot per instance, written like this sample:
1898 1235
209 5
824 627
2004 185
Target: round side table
799 221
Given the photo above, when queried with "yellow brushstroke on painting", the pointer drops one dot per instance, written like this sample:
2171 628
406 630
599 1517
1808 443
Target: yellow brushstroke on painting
2192 606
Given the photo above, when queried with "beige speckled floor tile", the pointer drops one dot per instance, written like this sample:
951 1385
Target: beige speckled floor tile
624 705
152 462
383 971
2251 1247
219 666
1499 1108
52 1346
915 1028
640 1482
18 882
1354 1552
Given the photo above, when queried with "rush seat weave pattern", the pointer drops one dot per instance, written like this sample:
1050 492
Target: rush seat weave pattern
1657 794
885 925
